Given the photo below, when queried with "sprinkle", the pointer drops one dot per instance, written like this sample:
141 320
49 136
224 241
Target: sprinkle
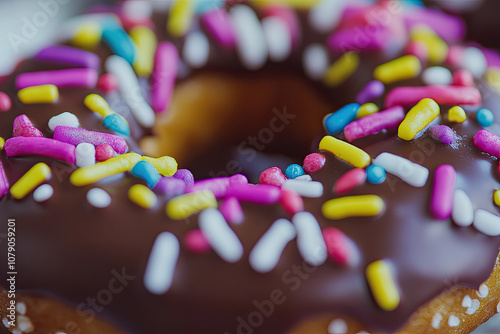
166 166
313 162
437 75
304 178
496 197
68 55
463 210
405 67
196 242
130 90
98 104
381 281
487 142
38 94
260 194
164 75
442 192
85 155
103 152
340 248
417 49
337 326
341 69
218 23
463 78
43 193
145 40
449 95
467 301
457 114
487 222
492 77
21 308
24 324
315 61
279 41
345 151
288 16
436 320
142 196
353 206
218 186
77 77
273 176
293 171
90 174
98 198
267 252
180 17
118 40
421 115
87 35
337 121
485 117
375 174
312 189
220 236
170 186
66 119
39 146
367 109
372 124
370 91
453 321
326 14
442 133
2 143
474 61
291 201
146 171
38 174
412 173
310 240
438 49
22 127
185 205
196 49
162 260
474 306
75 136
5 102
116 123
483 291
4 183
231 210
349 180
107 83
184 175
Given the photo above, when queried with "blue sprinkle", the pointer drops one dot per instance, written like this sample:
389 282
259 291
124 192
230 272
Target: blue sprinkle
116 123
118 40
337 121
375 174
146 171
485 117
294 171
203 6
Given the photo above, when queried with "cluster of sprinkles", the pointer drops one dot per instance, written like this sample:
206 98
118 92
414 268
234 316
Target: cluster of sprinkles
137 53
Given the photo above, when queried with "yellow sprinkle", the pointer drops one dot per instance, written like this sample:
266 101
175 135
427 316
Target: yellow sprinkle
402 68
38 94
185 205
38 174
87 36
142 196
166 166
341 69
345 151
367 109
180 17
145 39
98 104
299 4
421 115
457 114
353 206
496 197
90 174
2 143
492 77
382 285
438 49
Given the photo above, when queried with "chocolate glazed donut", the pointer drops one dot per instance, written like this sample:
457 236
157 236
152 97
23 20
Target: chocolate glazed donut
395 266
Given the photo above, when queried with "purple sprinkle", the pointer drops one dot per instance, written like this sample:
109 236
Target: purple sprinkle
170 186
371 91
75 136
219 25
186 176
442 133
260 194
68 55
231 210
75 77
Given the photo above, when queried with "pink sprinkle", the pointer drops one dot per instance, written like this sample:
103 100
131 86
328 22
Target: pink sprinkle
291 201
338 246
462 78
107 83
24 128
165 68
196 242
374 123
40 146
104 152
442 133
349 180
418 49
260 194
77 77
449 95
455 55
313 162
231 210
5 102
273 176
218 185
219 25
4 184
288 16
442 192
370 91
75 136
487 142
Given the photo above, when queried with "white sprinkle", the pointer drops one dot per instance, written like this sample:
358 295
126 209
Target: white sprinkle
436 320
267 252
337 326
161 263
309 238
474 61
16 331
305 177
498 307
251 42
315 61
64 119
24 324
467 301
21 308
220 236
412 173
5 322
98 198
130 90
279 40
437 75
487 223
313 189
43 193
483 291
453 321
137 10
196 49
85 154
473 307
463 210
325 15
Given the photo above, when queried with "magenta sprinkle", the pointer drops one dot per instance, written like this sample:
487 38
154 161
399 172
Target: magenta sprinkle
448 27
4 183
24 128
196 242
165 68
370 91
273 176
374 123
260 194
337 246
75 136
442 192
462 78
313 162
291 201
218 185
5 102
76 77
68 55
231 210
45 147
417 49
487 142
374 38
185 175
288 16
349 180
442 133
220 27
107 83
104 152
450 95
170 186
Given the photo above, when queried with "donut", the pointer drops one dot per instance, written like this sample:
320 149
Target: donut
252 167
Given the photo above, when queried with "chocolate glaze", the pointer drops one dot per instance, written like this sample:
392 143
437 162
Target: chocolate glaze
69 249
